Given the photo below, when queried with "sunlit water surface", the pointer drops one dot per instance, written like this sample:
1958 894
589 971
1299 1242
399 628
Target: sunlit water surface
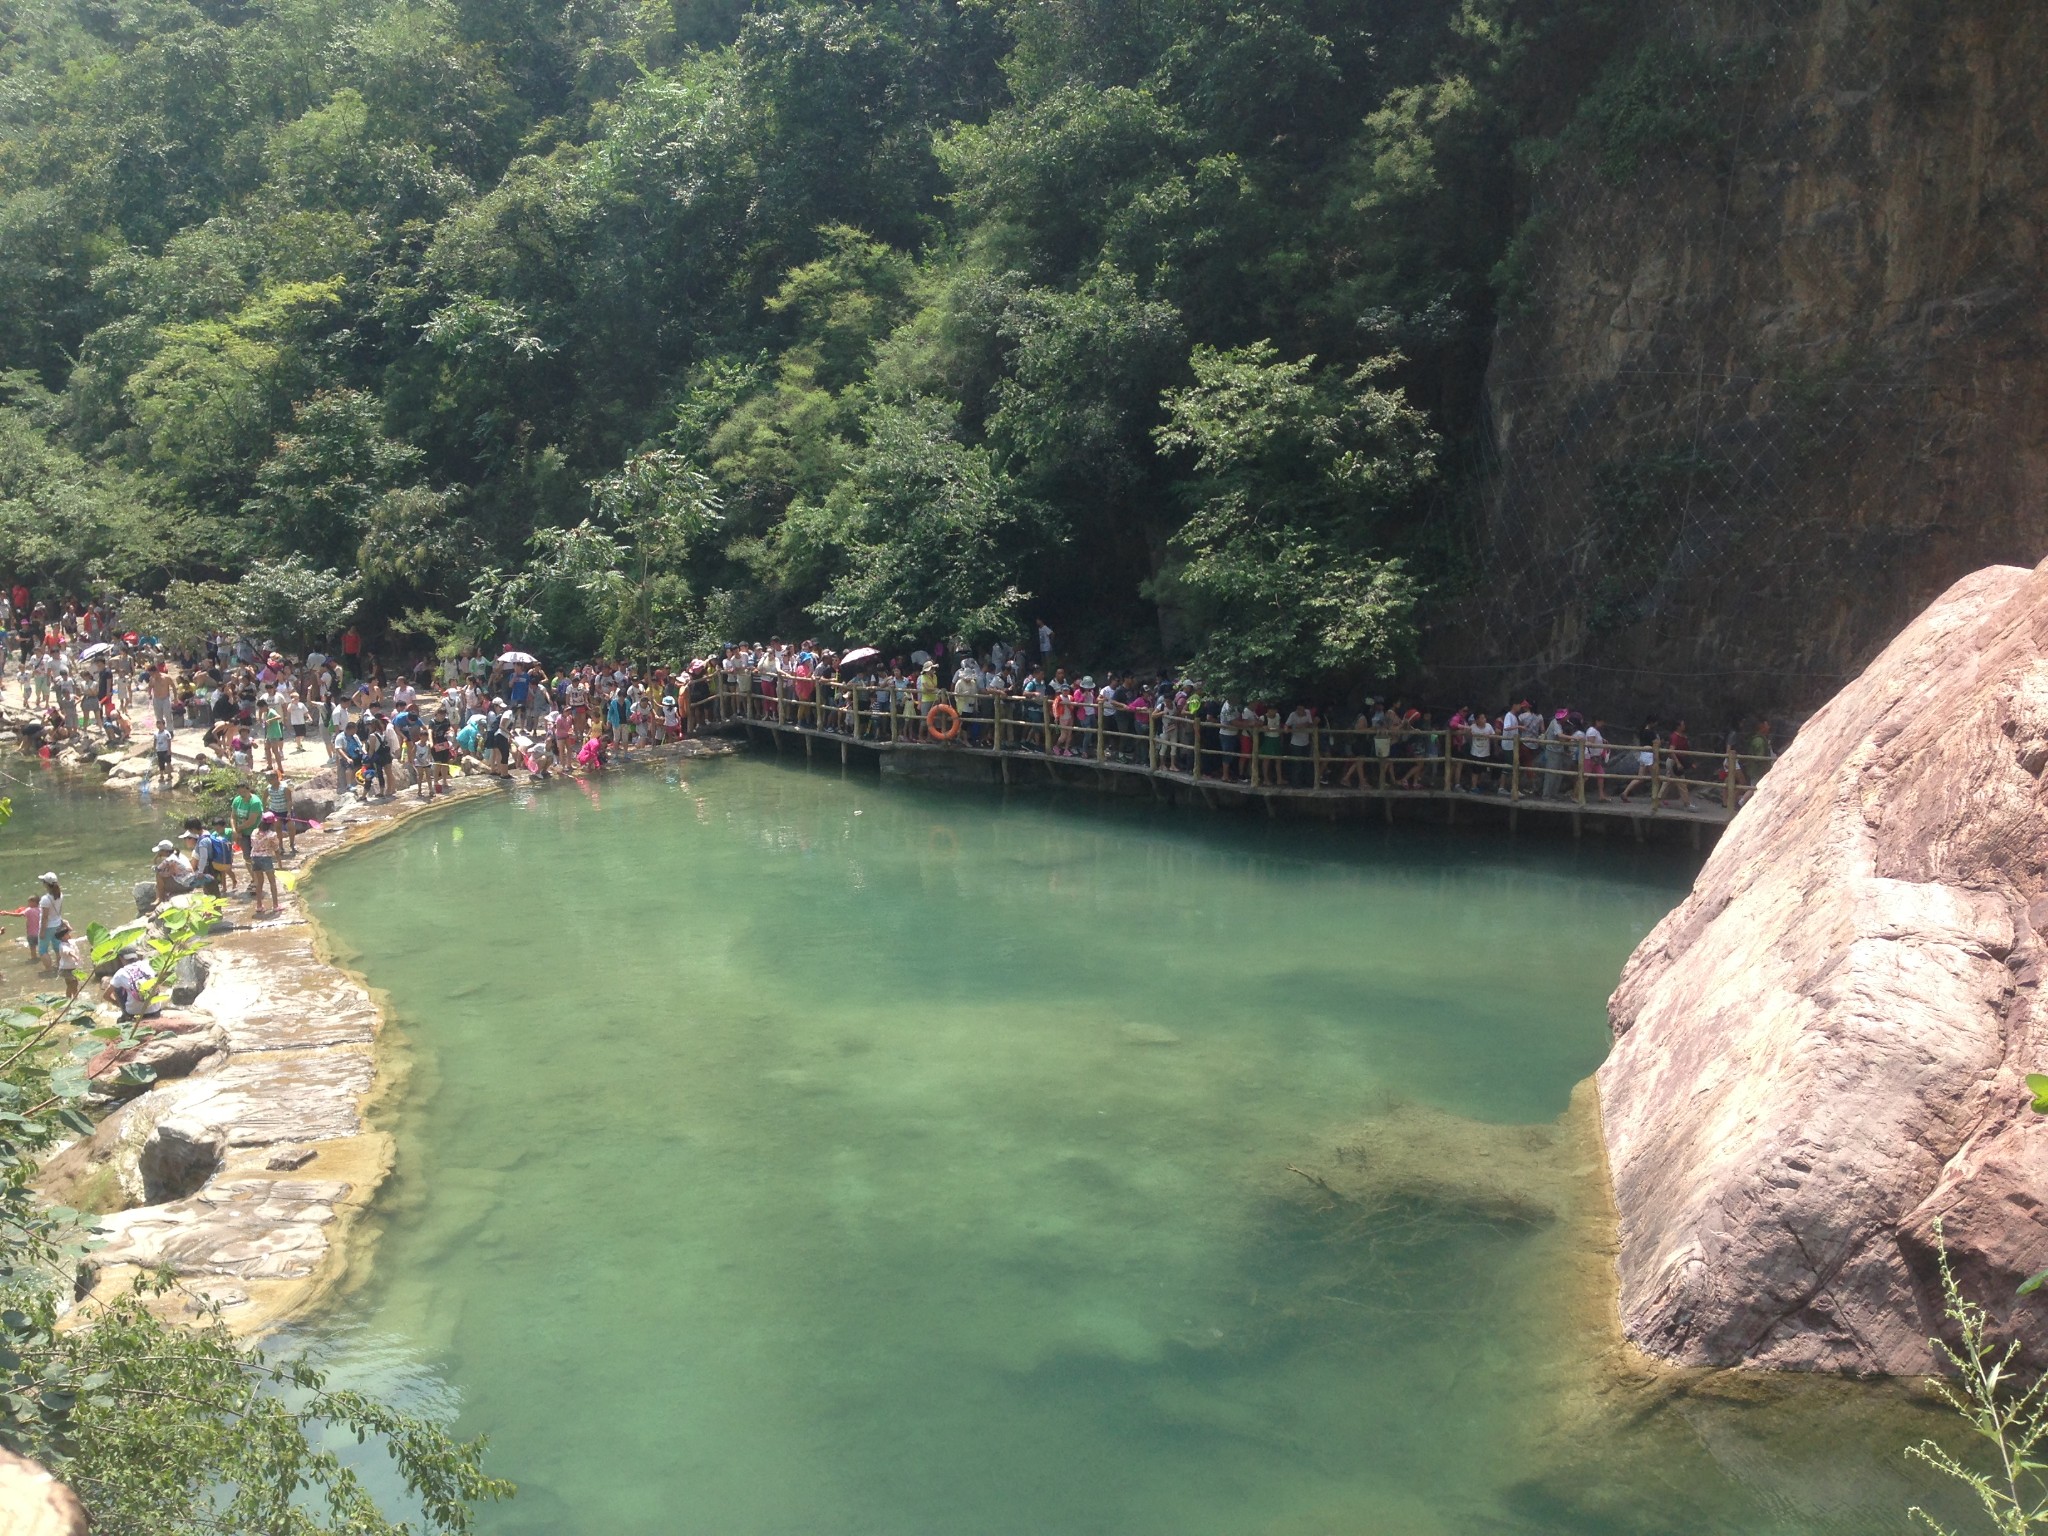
782 1153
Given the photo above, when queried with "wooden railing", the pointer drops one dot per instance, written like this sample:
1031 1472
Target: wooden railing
1376 763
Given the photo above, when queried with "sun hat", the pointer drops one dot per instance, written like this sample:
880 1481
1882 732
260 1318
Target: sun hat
48 877
165 846
269 816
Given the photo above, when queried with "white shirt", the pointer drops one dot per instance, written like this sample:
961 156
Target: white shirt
130 984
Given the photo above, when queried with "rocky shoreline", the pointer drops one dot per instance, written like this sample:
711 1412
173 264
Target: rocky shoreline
244 1168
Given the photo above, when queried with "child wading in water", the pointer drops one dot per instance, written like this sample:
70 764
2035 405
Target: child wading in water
263 856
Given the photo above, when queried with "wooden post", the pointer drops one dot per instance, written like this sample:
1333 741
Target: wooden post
1100 745
1195 744
1045 721
1315 754
1581 790
998 701
1728 775
1515 778
1656 775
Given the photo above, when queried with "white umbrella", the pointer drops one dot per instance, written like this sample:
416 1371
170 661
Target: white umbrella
859 657
520 659
95 650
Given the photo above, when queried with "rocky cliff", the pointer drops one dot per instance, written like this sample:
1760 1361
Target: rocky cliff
1822 1051
1772 369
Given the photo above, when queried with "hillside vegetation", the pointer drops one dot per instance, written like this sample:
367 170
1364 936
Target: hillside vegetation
642 325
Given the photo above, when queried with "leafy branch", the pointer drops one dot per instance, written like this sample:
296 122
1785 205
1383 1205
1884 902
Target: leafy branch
1991 1398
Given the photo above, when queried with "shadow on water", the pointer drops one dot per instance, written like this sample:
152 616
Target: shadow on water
1292 840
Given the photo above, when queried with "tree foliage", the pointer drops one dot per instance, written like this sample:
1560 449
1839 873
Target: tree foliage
386 286
1297 478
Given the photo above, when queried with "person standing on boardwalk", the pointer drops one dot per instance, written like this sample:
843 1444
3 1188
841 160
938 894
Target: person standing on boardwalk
1044 647
1593 755
1677 765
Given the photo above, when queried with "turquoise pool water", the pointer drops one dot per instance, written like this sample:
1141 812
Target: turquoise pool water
783 1153
98 842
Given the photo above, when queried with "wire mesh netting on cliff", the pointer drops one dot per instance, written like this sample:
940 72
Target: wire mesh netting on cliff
1629 504
1727 453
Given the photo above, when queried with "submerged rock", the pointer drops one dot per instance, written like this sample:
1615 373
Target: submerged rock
1822 1051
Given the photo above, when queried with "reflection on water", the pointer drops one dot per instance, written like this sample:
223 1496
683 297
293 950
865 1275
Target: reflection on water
781 1154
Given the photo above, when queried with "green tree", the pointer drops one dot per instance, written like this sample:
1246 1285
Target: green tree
1295 476
929 534
214 391
293 602
319 492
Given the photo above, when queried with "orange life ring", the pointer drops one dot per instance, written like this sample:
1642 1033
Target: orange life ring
945 732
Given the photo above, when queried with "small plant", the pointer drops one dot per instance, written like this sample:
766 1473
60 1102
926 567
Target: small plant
219 785
1988 1393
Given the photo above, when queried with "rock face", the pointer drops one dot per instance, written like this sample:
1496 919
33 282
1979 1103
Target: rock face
1821 1052
1776 376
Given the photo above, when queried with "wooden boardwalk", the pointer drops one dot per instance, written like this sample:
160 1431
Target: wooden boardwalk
1130 764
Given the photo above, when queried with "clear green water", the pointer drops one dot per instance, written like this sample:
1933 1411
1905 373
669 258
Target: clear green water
782 1153
97 841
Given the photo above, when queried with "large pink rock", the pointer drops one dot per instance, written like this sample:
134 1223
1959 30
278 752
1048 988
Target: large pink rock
1822 1051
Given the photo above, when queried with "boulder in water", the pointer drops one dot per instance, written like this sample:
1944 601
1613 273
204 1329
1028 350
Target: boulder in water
1822 1052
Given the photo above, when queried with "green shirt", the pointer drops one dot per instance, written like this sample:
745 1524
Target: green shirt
247 809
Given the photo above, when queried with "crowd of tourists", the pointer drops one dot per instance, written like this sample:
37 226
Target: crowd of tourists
278 717
1006 699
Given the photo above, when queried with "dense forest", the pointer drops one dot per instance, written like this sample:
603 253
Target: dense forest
638 324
